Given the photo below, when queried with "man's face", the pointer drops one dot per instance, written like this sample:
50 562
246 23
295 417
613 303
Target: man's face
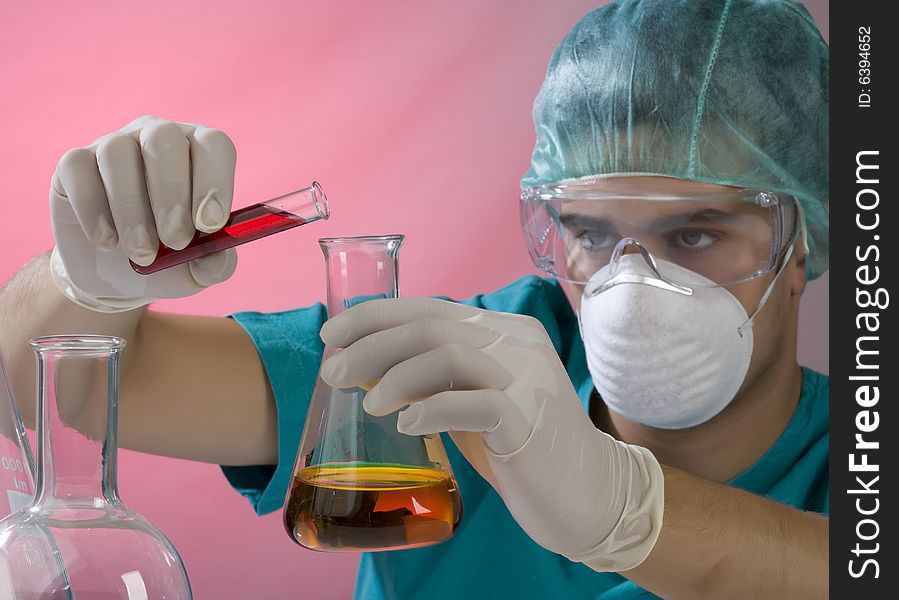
724 241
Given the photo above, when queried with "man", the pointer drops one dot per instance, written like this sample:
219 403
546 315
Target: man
661 435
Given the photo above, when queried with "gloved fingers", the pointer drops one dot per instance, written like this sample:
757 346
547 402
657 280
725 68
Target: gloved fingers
134 127
490 412
375 315
213 159
122 170
449 367
369 358
77 182
166 156
214 268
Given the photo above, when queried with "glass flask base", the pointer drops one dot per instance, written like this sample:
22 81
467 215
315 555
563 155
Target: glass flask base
78 551
371 506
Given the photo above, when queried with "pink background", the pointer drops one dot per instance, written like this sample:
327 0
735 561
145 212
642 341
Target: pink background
415 117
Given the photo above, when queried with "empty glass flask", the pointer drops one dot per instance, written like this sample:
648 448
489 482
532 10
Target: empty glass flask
359 484
77 540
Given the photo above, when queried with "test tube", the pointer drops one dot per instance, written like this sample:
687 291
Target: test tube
245 225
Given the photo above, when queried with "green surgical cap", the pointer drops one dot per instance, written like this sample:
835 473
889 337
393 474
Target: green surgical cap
732 92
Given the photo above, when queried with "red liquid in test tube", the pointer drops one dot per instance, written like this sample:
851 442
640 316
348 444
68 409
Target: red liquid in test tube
245 225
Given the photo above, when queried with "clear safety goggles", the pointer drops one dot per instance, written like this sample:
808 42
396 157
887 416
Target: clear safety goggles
728 236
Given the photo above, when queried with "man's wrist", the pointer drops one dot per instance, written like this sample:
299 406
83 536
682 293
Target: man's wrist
633 537
84 299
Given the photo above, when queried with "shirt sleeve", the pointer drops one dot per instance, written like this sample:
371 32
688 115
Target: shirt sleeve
290 348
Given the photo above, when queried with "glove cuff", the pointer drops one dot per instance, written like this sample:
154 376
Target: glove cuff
634 535
85 300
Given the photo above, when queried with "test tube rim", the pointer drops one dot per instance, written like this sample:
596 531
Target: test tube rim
320 200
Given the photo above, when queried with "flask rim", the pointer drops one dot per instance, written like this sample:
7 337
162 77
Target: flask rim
393 237
77 343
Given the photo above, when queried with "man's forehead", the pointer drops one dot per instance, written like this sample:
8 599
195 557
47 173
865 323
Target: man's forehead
633 209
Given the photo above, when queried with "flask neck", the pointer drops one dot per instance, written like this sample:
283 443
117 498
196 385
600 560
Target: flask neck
77 425
14 442
360 269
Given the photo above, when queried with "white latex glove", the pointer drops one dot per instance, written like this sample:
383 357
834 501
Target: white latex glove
495 382
153 180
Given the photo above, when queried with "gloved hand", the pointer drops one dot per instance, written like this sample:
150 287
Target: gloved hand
495 382
151 181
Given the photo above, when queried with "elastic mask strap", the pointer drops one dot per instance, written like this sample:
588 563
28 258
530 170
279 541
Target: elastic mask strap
783 265
800 214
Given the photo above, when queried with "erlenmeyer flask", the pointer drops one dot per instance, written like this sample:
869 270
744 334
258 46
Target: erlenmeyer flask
16 462
77 539
359 484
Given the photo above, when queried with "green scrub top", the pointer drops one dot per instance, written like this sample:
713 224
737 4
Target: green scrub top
490 556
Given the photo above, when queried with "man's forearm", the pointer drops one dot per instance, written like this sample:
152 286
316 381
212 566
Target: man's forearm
31 305
721 542
191 387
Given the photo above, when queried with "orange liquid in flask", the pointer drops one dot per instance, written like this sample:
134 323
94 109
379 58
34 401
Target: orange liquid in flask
371 506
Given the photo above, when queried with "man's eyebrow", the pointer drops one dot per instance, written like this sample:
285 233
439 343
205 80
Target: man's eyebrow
709 215
586 221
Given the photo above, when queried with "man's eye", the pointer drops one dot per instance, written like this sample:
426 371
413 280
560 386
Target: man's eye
593 240
694 239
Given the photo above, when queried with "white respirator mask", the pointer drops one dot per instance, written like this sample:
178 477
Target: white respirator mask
670 356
